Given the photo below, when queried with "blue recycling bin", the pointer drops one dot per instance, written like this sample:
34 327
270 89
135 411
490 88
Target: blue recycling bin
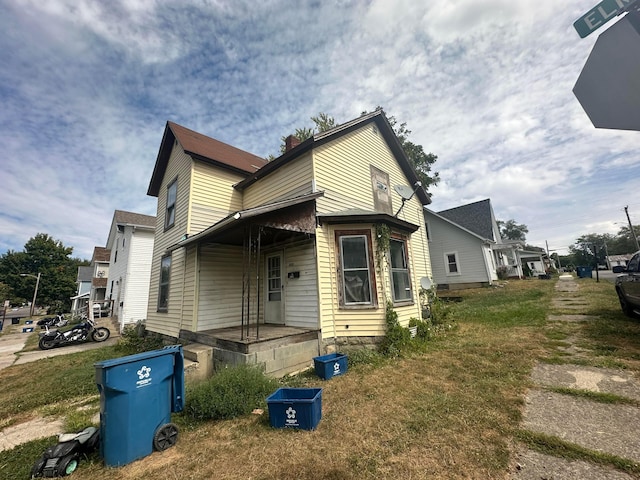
330 365
138 393
584 272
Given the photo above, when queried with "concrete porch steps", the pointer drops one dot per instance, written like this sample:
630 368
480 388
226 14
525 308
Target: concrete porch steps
198 361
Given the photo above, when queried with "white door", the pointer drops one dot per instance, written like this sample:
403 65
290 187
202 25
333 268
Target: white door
274 289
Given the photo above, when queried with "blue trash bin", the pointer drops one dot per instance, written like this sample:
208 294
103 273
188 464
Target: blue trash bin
584 272
138 393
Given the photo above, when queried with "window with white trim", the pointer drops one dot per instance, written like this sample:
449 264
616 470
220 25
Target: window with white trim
452 263
170 212
355 269
400 278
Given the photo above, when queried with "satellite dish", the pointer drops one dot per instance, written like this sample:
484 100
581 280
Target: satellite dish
426 283
405 192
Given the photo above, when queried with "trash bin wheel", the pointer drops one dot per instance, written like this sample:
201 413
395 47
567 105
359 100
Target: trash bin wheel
166 436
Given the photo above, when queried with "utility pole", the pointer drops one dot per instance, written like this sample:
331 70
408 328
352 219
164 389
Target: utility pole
633 232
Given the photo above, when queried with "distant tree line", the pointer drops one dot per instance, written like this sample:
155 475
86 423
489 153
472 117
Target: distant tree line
593 247
51 259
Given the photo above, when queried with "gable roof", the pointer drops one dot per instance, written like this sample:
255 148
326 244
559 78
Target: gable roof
101 255
200 147
476 217
120 217
384 127
85 274
138 220
451 222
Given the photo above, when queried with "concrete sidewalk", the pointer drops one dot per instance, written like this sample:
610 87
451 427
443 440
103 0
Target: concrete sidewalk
605 428
12 342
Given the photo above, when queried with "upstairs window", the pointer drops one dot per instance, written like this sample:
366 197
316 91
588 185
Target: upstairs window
172 195
400 279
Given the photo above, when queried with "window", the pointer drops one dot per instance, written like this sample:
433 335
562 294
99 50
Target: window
170 214
163 292
451 263
633 264
399 271
356 268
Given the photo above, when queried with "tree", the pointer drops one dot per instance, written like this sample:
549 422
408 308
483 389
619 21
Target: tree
590 249
624 242
52 260
510 230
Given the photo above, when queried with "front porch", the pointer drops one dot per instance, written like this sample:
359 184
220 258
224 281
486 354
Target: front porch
279 349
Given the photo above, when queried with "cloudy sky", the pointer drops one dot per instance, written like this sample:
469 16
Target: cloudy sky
86 87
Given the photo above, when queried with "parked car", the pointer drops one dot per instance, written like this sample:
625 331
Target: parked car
628 286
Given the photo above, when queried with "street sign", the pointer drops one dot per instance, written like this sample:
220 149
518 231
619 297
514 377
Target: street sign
607 87
599 15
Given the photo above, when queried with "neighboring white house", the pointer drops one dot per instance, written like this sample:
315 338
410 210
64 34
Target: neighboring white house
83 282
467 251
100 273
131 245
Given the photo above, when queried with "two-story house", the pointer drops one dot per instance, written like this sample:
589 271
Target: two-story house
130 242
277 262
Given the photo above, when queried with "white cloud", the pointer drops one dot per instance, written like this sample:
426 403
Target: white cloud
88 87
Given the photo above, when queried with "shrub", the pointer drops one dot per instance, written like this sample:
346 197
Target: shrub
230 393
136 339
501 271
396 337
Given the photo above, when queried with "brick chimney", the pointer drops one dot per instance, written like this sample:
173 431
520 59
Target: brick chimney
290 142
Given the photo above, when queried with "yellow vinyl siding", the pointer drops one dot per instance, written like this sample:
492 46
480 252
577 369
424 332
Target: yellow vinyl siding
212 195
292 180
220 293
353 154
168 323
300 294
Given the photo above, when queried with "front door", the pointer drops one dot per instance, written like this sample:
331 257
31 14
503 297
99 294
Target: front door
274 289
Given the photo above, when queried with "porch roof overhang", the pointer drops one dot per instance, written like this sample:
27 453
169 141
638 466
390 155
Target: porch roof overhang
83 295
230 230
505 246
366 216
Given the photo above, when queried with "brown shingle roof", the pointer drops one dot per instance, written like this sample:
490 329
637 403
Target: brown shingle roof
203 148
130 218
210 148
101 254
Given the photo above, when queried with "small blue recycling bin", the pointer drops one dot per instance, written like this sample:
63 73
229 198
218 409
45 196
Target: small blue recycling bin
295 408
331 365
137 395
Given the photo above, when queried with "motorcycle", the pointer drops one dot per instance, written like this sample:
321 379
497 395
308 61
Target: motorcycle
57 321
79 333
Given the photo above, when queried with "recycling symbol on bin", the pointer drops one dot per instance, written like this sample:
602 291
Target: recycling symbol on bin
144 372
336 367
291 413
